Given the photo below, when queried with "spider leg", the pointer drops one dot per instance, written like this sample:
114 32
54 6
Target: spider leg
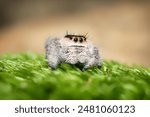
85 67
99 66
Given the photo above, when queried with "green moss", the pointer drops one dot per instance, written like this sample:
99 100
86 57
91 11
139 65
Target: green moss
27 76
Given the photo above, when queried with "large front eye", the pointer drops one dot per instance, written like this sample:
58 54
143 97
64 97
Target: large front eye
75 39
81 39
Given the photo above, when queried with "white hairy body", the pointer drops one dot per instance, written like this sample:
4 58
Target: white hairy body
67 51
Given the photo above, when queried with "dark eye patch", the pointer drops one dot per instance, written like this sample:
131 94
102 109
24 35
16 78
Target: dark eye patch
69 37
75 39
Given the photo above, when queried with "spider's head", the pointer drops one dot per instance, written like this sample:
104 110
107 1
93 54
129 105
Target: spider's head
76 38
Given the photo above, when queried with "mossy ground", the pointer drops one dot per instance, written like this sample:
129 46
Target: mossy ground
27 76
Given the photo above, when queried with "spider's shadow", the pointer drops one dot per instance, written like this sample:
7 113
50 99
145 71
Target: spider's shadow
73 66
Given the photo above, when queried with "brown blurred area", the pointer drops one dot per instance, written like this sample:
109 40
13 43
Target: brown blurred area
120 28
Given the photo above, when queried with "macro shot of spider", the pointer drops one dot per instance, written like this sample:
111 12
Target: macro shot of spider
72 49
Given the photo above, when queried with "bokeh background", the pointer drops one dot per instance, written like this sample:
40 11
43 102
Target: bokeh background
120 28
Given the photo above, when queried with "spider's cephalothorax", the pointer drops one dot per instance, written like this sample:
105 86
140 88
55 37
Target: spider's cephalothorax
72 49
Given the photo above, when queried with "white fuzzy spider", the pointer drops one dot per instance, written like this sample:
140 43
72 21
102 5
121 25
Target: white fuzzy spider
72 49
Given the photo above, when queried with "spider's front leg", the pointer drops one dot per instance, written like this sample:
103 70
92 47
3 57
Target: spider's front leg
92 62
99 65
85 67
53 62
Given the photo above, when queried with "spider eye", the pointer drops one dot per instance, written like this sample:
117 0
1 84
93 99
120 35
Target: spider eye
75 39
81 39
70 38
84 38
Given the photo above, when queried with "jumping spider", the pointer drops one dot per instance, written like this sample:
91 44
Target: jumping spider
72 49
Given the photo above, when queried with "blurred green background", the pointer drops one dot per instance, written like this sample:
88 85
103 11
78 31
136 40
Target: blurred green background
120 28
